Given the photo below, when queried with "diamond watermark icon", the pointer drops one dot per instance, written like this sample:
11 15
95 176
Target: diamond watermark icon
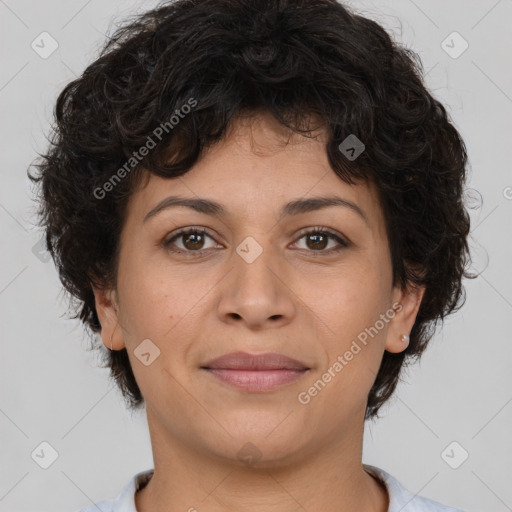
351 147
146 352
454 455
249 454
44 45
40 252
44 455
454 45
249 249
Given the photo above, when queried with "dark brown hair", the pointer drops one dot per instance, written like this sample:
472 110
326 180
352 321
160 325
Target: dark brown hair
291 58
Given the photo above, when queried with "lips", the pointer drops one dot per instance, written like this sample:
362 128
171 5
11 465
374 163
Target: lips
255 362
255 373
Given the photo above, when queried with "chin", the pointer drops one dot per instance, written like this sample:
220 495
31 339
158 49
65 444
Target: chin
270 445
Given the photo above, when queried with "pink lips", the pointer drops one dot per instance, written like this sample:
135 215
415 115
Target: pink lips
257 373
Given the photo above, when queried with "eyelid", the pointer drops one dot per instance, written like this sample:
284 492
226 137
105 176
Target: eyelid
325 230
183 231
341 239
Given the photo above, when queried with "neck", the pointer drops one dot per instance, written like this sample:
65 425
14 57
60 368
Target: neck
327 478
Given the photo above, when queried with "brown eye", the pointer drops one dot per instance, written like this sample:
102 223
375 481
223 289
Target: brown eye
192 239
196 240
317 240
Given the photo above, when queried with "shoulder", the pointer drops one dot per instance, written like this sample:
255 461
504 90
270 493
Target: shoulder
400 499
125 500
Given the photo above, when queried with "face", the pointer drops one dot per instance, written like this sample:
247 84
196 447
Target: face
256 281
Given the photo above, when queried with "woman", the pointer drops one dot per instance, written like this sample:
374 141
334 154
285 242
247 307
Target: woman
258 207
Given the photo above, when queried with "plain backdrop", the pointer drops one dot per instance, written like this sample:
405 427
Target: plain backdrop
455 404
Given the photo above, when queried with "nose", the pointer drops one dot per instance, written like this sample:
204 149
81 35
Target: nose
255 292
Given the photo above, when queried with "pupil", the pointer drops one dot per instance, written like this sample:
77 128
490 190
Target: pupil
317 237
197 243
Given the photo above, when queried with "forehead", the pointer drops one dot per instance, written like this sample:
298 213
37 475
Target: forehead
258 167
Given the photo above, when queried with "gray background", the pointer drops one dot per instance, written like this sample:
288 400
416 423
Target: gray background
50 387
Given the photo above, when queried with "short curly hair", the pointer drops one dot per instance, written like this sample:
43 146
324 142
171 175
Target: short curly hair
290 58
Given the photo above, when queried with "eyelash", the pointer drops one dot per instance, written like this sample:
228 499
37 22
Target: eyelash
316 230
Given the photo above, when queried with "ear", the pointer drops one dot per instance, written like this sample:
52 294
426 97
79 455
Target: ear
406 303
108 315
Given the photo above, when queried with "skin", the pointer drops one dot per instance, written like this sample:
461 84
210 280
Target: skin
291 299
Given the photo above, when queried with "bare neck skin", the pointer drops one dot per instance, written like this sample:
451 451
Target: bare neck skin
329 478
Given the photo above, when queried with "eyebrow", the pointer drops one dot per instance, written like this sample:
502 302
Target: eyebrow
295 207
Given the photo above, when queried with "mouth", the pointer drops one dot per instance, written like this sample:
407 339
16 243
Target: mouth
256 373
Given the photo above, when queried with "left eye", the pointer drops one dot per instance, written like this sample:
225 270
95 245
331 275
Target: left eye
193 240
320 237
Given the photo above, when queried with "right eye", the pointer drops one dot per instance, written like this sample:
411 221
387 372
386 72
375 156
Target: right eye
191 238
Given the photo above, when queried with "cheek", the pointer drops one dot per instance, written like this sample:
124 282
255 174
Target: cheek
348 300
160 302
148 301
351 303
342 316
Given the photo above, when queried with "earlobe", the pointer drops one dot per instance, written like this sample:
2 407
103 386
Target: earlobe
408 304
107 311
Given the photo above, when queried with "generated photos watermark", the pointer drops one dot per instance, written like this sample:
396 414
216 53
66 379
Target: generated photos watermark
304 397
138 156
